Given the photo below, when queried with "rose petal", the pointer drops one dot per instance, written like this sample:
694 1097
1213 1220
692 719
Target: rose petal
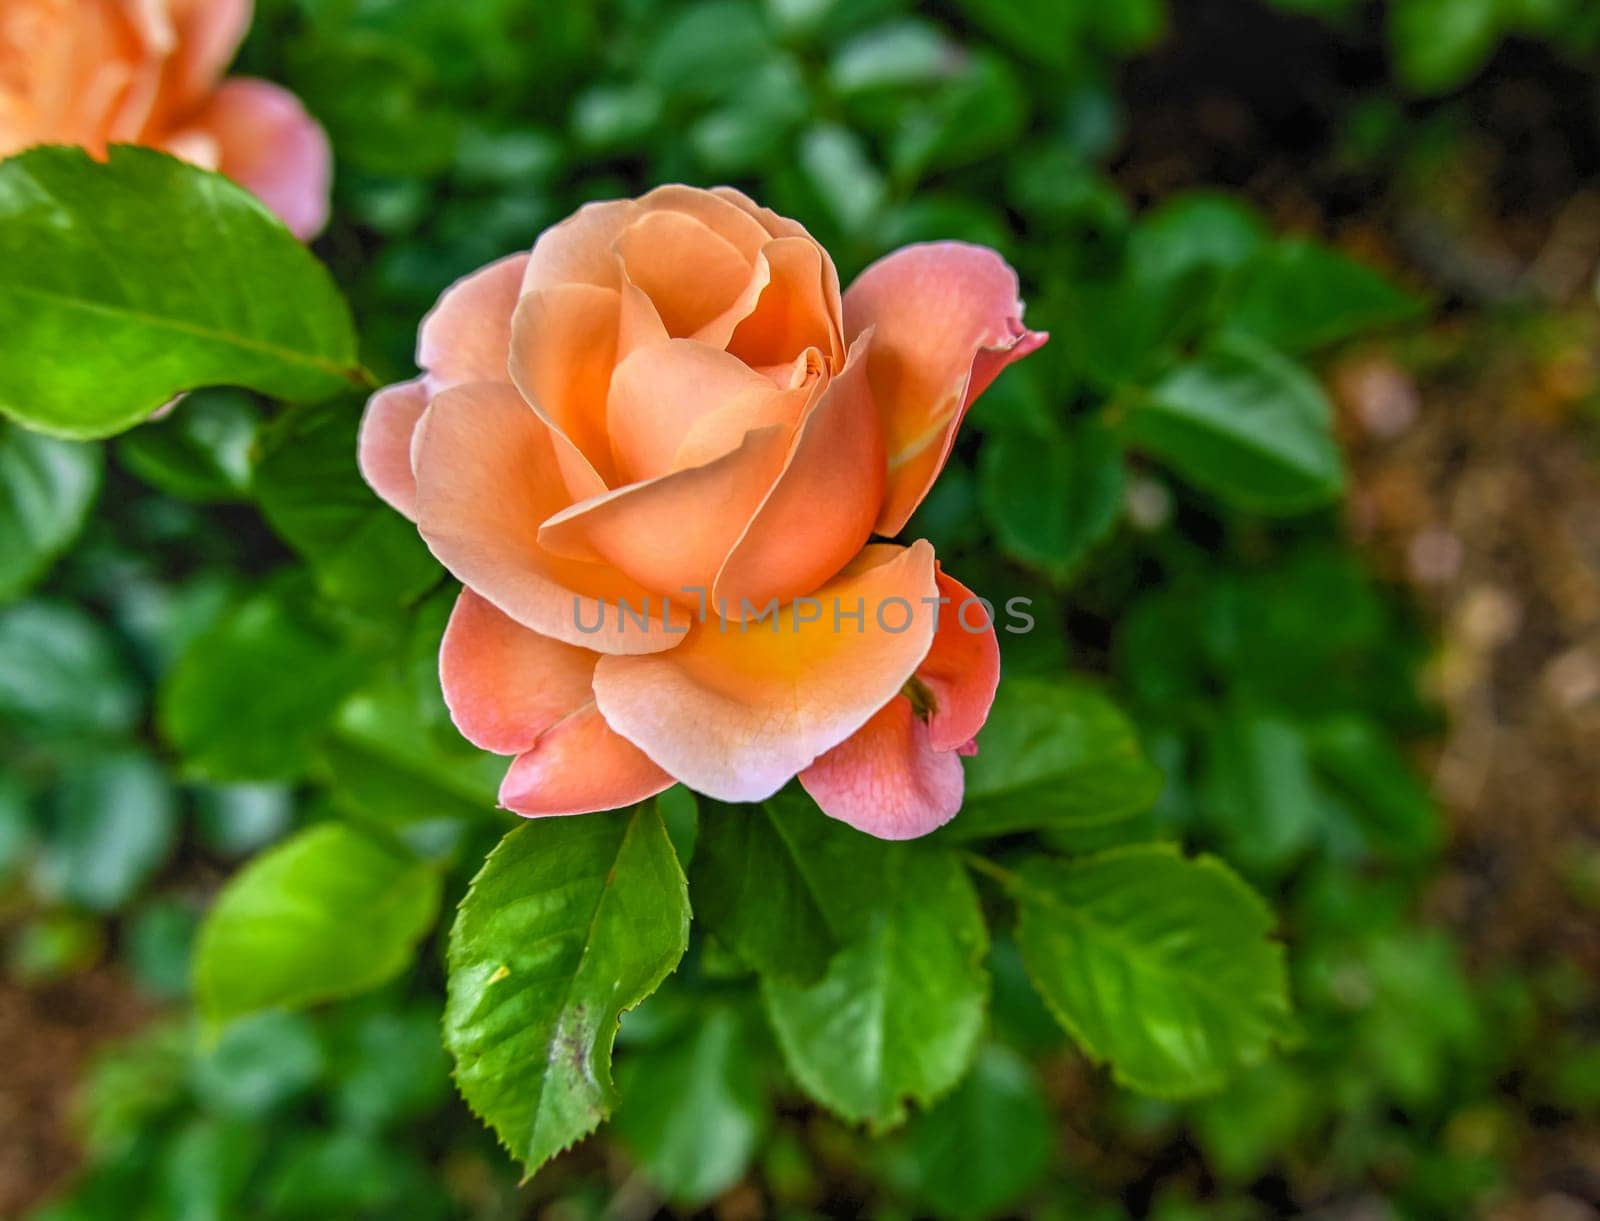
208 34
658 394
736 710
383 447
506 685
578 250
563 347
782 226
487 477
270 146
690 274
887 779
580 766
947 319
672 533
820 511
724 218
466 337
962 669
791 311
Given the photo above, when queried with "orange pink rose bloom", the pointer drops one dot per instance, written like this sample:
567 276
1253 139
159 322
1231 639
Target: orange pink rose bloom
657 451
100 72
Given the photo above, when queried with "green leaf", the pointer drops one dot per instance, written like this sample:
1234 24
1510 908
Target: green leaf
258 1064
334 911
704 50
1053 754
1243 1128
353 1174
1301 295
1438 44
981 110
693 1111
60 674
570 922
901 54
1391 804
1121 333
1246 424
250 694
311 492
388 1064
1198 229
126 282
1258 791
781 884
1160 966
849 186
201 451
46 488
1052 498
382 763
979 1150
115 819
17 832
206 1165
899 1012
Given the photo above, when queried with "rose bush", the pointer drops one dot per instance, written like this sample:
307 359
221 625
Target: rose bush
655 451
98 72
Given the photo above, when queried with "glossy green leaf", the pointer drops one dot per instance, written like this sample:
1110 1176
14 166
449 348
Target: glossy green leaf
201 451
252 693
1158 965
898 1014
782 884
308 486
126 282
331 912
570 922
693 1111
46 488
1054 753
61 674
112 822
982 1147
1246 424
1300 295
1052 498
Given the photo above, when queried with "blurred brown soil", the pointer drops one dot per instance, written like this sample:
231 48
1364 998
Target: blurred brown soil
47 1035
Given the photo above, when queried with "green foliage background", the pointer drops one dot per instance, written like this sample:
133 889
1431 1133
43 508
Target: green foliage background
217 658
